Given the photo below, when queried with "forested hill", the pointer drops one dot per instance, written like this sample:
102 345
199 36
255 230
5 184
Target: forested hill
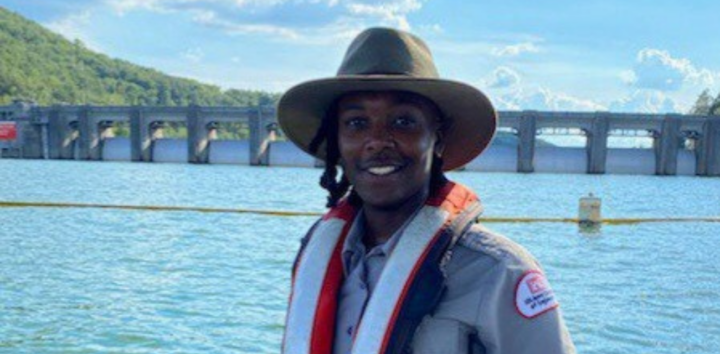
39 65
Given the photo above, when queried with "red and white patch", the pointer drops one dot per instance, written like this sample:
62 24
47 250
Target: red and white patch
533 295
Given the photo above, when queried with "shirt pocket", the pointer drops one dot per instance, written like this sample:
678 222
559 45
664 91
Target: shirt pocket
442 336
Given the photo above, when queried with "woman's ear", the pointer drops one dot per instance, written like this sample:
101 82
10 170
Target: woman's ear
439 148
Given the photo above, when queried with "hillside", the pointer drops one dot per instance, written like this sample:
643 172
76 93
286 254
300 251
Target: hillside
39 65
44 67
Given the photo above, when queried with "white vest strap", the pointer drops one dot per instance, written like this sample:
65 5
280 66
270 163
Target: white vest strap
310 322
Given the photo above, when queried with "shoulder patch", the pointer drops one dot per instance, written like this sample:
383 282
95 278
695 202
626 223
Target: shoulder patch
533 295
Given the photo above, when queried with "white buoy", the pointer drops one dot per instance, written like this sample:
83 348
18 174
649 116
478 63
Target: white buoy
589 213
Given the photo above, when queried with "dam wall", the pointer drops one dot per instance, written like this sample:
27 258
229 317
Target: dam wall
681 144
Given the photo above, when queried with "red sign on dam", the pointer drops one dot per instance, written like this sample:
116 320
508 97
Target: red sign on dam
8 131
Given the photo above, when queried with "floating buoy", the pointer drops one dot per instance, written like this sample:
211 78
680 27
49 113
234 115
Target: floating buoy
589 212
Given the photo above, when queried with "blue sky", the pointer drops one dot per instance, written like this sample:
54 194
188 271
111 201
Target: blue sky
635 56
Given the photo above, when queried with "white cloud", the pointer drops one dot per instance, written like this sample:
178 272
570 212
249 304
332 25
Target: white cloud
544 99
391 12
646 101
194 55
237 16
628 77
123 6
656 69
502 77
210 18
74 27
515 50
433 29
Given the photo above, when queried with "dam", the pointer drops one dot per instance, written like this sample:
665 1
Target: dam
680 144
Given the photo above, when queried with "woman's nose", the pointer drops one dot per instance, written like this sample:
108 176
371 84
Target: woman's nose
380 138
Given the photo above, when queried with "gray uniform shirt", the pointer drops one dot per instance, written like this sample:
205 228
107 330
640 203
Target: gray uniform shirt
362 271
477 312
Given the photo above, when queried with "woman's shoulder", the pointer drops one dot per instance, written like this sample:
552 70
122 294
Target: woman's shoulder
483 242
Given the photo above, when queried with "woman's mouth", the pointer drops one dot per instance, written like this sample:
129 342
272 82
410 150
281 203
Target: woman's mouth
383 170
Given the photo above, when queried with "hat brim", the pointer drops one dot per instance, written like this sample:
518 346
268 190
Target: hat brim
473 120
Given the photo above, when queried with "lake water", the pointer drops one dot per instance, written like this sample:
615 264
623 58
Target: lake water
118 281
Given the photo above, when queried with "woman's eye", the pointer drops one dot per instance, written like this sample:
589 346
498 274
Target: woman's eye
355 122
404 121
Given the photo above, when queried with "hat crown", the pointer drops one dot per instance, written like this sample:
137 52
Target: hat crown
386 51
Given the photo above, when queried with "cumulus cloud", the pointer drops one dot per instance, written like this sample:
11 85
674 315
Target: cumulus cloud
393 12
194 55
242 16
658 70
434 29
645 101
123 6
73 27
544 99
515 49
502 77
211 19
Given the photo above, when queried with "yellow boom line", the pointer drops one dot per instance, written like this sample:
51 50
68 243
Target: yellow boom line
615 221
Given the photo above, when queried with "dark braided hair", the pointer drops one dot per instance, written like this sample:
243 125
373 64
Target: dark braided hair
328 134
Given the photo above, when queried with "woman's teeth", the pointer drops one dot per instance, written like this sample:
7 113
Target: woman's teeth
382 170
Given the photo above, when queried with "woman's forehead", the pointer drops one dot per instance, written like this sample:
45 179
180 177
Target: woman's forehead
361 99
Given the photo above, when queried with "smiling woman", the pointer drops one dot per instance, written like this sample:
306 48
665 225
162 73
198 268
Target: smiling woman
387 145
399 263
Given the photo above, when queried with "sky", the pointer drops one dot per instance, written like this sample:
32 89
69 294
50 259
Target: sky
652 56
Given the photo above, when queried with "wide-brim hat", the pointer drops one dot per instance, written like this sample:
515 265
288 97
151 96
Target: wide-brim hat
383 59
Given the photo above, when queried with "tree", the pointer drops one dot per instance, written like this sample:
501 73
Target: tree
715 106
702 104
42 66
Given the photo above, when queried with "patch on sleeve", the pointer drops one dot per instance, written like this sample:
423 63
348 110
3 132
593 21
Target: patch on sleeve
533 295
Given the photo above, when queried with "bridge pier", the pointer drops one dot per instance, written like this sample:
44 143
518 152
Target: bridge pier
667 146
60 135
526 142
198 136
596 144
61 132
709 149
31 133
32 137
140 136
260 138
89 139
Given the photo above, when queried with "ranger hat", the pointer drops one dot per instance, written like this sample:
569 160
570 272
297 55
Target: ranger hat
383 59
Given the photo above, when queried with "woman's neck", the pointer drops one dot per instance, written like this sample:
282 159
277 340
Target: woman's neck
382 222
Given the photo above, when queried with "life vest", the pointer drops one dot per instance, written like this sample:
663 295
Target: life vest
409 287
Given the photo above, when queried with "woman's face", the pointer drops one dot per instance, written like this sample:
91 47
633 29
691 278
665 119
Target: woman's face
386 142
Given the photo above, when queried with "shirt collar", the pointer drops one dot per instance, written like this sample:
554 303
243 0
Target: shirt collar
354 249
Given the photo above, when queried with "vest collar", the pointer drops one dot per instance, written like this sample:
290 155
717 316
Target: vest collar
408 289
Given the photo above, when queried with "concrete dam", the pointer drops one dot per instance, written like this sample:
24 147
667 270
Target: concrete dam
679 144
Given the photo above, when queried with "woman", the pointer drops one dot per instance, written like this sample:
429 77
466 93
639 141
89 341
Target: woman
399 263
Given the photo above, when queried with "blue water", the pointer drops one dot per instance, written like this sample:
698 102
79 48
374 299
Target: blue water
115 281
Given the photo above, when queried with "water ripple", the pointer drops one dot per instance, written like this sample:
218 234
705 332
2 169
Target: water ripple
104 281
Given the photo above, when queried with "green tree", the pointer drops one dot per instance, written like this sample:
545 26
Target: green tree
715 106
39 65
702 104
